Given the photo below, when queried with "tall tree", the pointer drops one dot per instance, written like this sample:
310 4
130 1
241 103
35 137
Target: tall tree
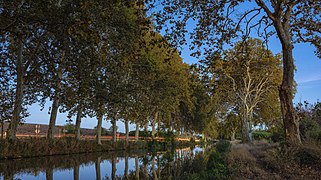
248 76
220 22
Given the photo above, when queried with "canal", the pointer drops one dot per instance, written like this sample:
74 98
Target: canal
140 164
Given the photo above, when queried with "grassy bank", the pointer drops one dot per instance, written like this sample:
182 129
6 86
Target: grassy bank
259 160
35 147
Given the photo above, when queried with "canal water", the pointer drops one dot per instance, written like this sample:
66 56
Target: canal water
108 165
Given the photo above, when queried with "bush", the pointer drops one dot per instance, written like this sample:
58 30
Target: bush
141 133
223 146
260 135
70 128
310 129
277 133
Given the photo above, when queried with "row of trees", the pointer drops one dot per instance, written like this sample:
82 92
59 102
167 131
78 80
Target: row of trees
103 59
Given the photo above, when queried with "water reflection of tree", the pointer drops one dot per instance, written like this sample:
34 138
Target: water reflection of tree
157 165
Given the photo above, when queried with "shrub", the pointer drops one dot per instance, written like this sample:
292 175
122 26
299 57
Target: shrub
223 146
260 135
310 129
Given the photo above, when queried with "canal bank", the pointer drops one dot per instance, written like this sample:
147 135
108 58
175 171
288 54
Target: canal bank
37 147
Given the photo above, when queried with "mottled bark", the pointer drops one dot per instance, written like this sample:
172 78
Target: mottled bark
12 130
114 139
245 130
137 131
153 124
99 124
233 135
78 122
55 105
291 124
281 23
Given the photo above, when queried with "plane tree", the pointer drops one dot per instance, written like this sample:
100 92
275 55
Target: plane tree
250 76
214 24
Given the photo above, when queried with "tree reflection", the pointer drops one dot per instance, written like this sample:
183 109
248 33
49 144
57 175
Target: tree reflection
159 165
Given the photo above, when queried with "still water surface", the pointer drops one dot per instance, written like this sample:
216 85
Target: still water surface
107 165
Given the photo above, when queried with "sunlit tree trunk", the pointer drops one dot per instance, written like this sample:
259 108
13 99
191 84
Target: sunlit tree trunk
153 124
233 135
12 130
99 124
55 105
137 131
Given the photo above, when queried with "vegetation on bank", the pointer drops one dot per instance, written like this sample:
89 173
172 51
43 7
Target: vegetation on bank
261 160
37 147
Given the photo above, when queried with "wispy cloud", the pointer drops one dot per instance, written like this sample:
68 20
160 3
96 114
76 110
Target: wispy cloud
310 79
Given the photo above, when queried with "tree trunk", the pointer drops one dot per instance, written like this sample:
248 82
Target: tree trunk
153 125
127 131
12 130
291 124
114 130
233 135
2 128
245 131
55 105
98 134
158 124
146 125
78 122
137 132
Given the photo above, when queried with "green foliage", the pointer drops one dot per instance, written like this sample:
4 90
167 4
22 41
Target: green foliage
211 165
310 129
70 128
141 133
310 121
260 135
223 146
